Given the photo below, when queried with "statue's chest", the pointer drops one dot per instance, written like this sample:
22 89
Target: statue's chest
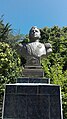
36 49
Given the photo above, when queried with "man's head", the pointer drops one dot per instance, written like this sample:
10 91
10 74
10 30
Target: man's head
34 34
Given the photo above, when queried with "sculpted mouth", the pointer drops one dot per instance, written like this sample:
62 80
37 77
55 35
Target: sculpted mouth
35 35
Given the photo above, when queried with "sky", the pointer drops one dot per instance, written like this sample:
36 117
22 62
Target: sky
23 14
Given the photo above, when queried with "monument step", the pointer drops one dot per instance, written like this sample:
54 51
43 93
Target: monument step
33 67
32 80
33 72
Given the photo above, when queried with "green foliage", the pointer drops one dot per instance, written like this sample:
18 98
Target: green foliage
9 60
64 94
4 31
9 65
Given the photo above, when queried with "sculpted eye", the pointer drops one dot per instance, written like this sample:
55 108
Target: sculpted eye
32 31
36 31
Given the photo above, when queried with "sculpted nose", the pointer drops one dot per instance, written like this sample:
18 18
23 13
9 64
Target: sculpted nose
33 31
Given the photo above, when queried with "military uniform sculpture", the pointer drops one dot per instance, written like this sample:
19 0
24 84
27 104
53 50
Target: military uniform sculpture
34 49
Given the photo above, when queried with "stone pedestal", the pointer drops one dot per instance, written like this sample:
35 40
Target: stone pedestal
33 71
32 101
32 96
32 80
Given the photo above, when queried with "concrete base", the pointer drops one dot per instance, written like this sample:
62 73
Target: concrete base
32 101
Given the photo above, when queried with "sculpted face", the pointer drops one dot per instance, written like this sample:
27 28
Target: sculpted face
34 34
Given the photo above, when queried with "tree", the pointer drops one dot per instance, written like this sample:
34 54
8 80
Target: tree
9 65
4 31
